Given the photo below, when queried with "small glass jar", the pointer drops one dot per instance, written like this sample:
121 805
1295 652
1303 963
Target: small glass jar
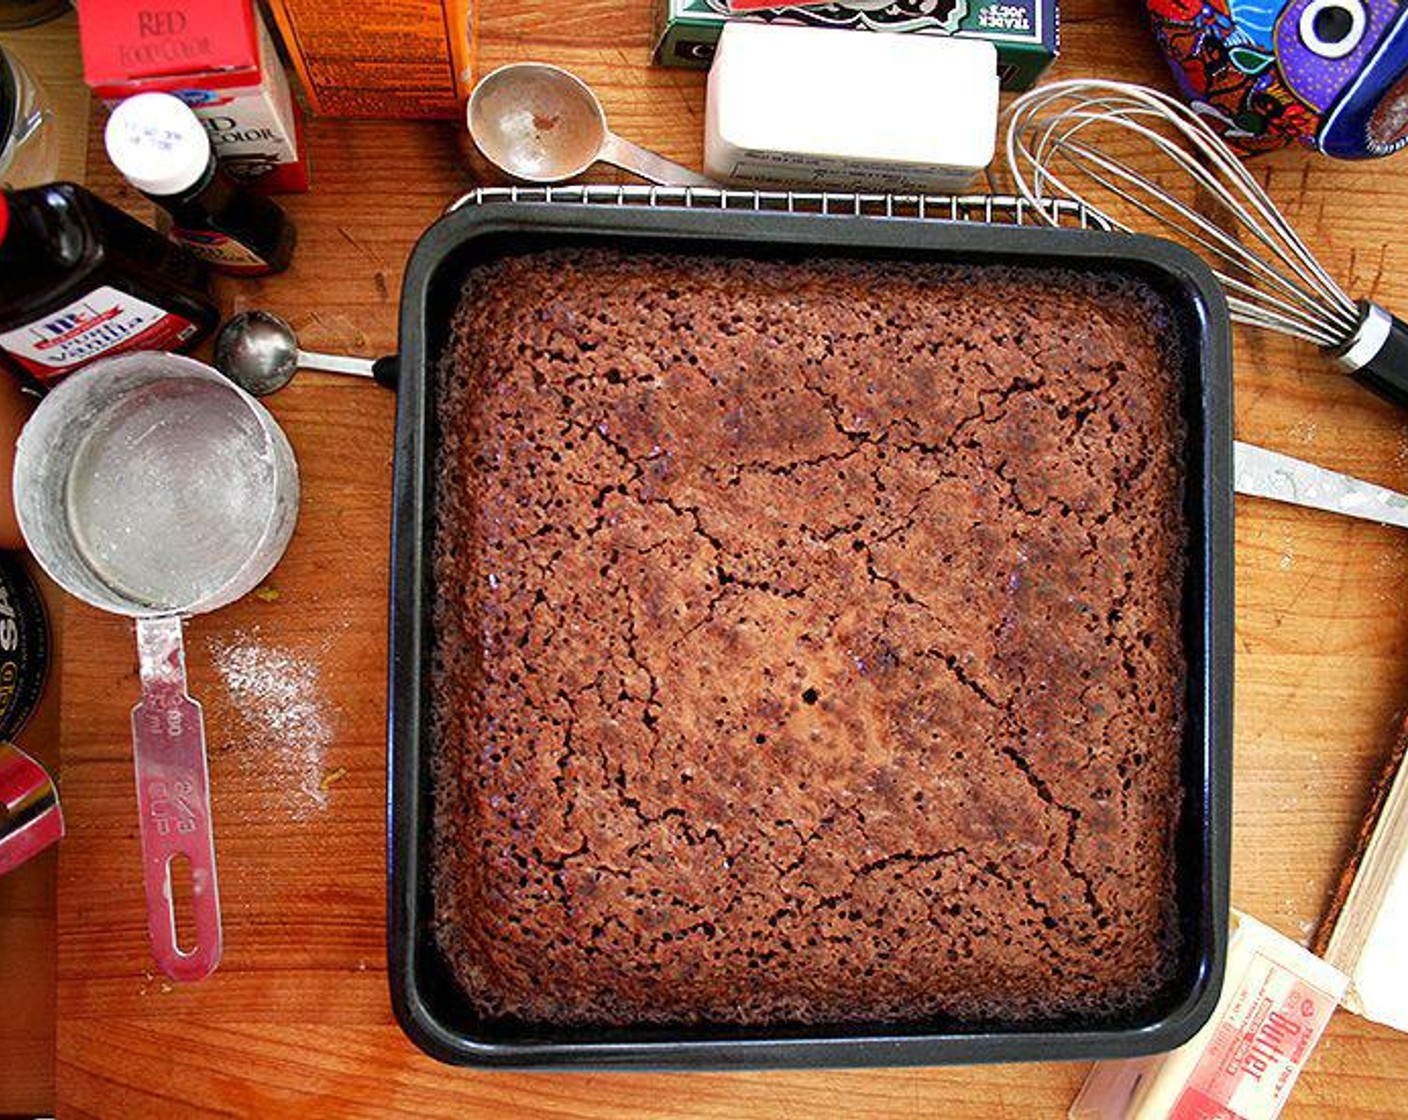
29 142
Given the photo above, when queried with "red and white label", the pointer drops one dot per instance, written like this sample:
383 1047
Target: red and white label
1263 1036
222 251
105 321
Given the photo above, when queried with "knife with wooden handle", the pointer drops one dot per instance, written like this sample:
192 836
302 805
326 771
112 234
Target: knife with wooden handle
1284 478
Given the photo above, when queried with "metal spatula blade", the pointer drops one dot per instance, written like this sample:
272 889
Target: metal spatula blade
1283 478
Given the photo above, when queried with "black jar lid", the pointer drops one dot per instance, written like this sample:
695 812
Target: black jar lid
24 645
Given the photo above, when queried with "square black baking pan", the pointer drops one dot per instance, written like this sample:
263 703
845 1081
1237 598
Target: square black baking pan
427 1001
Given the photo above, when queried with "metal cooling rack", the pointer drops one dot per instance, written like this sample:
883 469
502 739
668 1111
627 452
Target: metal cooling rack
991 209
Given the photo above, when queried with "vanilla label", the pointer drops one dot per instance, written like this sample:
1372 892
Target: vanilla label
104 321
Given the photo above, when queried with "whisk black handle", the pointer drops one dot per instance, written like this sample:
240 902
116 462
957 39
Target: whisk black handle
387 371
1376 355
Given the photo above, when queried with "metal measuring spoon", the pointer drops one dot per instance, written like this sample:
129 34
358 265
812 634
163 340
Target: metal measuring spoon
259 352
542 124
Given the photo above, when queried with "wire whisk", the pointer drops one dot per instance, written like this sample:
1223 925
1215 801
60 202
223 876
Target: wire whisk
1080 139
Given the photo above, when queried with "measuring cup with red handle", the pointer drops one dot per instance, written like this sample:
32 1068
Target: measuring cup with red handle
150 486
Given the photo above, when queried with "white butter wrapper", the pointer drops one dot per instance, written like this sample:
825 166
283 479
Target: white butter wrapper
815 107
1276 999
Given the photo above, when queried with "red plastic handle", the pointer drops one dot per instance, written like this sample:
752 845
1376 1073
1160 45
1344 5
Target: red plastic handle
31 818
173 800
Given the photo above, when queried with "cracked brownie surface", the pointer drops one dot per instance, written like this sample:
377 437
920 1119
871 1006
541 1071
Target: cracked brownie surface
806 641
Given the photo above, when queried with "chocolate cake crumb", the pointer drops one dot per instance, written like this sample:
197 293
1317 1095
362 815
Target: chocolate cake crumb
807 641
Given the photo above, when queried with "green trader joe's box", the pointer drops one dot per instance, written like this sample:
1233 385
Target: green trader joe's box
1025 32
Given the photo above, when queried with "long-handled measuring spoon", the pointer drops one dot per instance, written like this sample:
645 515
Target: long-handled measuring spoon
543 124
259 352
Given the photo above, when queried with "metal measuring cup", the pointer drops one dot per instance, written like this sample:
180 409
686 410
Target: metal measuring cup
150 486
543 124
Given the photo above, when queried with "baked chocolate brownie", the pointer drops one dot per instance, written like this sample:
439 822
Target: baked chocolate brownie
807 641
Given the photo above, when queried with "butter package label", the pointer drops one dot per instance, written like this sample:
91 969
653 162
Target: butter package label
1276 1000
1026 33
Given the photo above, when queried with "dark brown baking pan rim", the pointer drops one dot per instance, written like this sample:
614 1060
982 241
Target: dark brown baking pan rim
426 1000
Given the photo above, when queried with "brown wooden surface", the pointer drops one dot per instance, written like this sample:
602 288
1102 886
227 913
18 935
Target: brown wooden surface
297 1019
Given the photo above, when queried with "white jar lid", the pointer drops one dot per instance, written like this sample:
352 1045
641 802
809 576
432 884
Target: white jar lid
158 143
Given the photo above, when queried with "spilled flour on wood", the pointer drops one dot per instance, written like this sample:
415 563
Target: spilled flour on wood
286 725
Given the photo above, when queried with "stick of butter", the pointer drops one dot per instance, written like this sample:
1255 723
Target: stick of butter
1276 999
817 107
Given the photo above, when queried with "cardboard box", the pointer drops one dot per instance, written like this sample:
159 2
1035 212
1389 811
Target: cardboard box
1026 33
381 58
216 55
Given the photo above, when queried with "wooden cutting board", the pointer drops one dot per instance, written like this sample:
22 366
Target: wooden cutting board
293 680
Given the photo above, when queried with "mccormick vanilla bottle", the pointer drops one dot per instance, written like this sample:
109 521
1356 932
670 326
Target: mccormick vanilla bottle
80 280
